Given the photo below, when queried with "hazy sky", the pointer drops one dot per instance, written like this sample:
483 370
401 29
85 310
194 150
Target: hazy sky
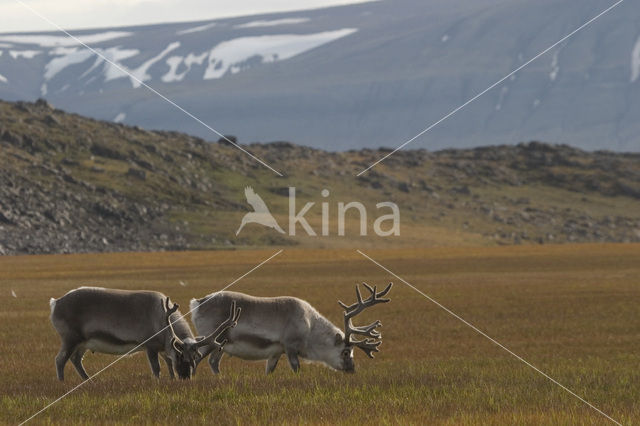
74 14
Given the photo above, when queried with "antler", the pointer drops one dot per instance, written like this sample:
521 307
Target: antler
369 346
372 300
168 312
368 330
230 322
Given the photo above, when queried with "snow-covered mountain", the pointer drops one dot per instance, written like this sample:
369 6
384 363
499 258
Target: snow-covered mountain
365 75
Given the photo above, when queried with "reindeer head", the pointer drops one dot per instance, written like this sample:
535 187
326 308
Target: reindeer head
373 337
184 353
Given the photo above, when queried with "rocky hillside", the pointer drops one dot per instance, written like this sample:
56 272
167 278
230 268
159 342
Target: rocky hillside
73 184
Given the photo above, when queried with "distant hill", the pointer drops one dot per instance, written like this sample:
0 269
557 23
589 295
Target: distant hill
349 77
74 184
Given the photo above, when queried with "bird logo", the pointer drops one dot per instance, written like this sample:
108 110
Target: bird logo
261 213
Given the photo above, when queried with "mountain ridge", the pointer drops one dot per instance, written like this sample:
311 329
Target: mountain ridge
308 76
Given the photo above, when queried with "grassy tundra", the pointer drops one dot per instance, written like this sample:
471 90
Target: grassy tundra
571 310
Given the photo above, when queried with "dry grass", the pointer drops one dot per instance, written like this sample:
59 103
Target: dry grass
571 310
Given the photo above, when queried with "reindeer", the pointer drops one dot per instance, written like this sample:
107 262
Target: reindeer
121 322
272 326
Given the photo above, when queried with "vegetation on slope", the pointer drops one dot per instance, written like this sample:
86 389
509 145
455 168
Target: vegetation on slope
73 184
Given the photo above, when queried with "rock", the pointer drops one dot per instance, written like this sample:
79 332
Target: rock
42 103
51 120
103 150
22 106
463 190
144 164
278 144
6 218
151 148
403 186
228 140
106 210
50 215
11 137
70 179
137 173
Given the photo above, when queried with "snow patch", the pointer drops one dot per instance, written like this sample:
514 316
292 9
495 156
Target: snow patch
172 75
554 66
234 55
53 41
120 117
175 61
140 74
635 61
503 93
69 57
6 45
273 22
196 29
27 54
62 51
113 69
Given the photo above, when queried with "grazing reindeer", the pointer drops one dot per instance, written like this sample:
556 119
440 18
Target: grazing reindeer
272 326
119 321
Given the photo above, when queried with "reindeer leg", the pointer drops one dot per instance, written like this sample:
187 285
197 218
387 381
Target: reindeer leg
214 361
66 350
294 362
153 362
76 360
167 360
272 363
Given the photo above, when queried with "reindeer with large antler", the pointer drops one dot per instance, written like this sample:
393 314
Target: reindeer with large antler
120 322
272 326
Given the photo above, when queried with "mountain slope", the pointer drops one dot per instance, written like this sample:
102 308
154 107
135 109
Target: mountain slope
365 75
73 184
